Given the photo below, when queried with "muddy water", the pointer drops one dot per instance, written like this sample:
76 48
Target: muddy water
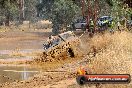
14 73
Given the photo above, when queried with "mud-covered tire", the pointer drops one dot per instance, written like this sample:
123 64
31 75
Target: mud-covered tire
70 52
81 80
44 55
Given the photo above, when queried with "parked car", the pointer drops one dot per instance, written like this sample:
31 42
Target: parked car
129 24
80 24
104 21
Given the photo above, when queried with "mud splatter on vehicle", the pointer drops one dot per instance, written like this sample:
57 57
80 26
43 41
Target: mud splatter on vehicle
62 46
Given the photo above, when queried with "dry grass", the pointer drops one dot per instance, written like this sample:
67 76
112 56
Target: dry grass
118 52
45 25
4 29
26 26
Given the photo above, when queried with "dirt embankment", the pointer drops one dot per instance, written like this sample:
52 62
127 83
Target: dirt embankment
104 54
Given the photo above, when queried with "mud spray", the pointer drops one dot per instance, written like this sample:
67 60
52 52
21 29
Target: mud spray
115 58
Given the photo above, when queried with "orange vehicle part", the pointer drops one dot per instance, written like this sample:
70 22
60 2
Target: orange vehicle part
81 71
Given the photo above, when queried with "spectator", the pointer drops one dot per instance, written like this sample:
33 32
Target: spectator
118 24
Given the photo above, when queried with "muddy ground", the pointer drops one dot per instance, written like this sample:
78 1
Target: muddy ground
113 55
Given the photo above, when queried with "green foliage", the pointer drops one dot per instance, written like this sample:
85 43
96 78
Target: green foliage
12 9
59 12
9 8
129 13
109 2
30 10
65 11
120 10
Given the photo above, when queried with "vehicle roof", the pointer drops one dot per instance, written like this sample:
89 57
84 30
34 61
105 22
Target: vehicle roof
104 16
68 32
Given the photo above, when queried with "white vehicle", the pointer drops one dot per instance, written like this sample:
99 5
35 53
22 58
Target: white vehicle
129 24
80 24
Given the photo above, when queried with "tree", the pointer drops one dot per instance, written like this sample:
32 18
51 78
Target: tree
121 11
59 12
30 11
9 10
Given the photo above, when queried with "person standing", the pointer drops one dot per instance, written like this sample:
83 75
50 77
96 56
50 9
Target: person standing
112 24
118 24
91 26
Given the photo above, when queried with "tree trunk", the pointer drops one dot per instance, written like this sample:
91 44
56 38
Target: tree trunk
55 29
7 21
21 11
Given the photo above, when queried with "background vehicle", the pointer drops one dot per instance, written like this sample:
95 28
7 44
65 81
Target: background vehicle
104 21
129 25
80 24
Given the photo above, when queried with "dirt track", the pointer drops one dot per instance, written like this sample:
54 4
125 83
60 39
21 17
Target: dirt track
113 55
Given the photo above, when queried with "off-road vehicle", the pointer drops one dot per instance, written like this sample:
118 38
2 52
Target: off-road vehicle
64 44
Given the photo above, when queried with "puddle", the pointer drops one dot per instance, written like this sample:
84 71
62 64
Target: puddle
13 73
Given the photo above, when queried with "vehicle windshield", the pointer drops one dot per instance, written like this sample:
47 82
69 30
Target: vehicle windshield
66 36
105 18
101 19
56 39
80 21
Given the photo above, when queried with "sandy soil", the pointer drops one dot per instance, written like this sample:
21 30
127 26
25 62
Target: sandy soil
22 40
113 55
20 45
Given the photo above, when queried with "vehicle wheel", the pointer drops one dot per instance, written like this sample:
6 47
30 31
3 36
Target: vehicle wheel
81 80
70 52
44 54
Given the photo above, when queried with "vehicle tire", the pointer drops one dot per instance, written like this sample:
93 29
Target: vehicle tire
70 52
81 80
